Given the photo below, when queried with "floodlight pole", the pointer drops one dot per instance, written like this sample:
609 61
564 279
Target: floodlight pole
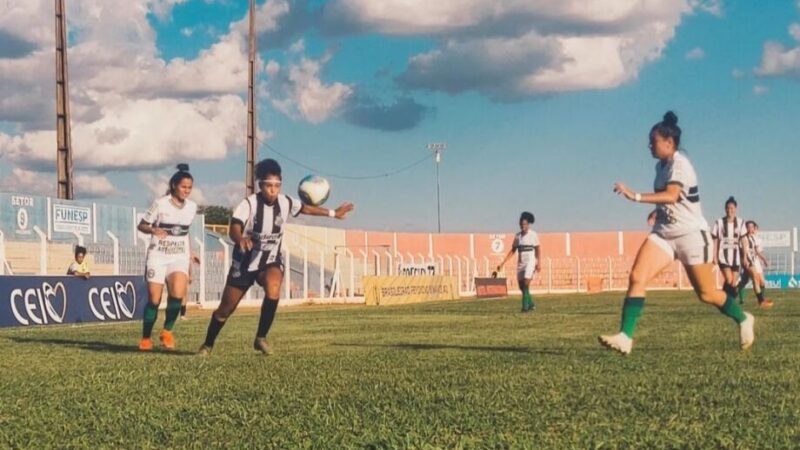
437 148
251 103
63 133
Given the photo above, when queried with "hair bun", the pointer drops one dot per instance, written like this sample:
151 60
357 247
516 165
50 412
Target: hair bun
670 118
182 167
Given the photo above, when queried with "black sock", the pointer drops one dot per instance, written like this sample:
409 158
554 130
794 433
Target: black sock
268 309
760 297
730 290
183 310
214 327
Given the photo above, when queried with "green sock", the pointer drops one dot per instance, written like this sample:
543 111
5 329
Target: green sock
741 294
732 310
530 299
173 311
150 315
631 311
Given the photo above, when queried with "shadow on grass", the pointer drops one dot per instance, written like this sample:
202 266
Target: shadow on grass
94 346
479 348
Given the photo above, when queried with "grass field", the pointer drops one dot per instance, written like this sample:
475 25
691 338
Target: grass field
466 374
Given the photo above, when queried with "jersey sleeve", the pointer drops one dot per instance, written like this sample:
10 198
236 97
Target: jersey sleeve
73 268
680 173
242 213
295 206
151 215
715 230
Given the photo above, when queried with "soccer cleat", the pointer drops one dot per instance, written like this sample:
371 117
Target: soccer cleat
619 342
261 345
746 333
204 350
145 345
167 340
766 304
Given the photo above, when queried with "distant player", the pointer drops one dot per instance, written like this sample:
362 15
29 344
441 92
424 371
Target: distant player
526 243
256 229
168 255
79 267
753 267
728 233
680 233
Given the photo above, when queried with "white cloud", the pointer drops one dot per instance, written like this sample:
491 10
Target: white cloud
520 48
713 7
30 181
760 90
780 61
794 30
738 74
299 92
186 31
93 186
695 54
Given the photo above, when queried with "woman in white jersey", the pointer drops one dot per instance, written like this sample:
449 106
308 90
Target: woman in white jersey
169 255
680 232
526 243
256 229
752 264
728 233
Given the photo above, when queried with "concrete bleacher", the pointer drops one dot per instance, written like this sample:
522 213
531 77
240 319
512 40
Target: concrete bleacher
23 259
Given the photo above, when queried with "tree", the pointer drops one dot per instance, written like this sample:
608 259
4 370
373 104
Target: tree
216 215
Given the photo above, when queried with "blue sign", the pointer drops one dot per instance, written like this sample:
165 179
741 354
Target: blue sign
29 300
781 281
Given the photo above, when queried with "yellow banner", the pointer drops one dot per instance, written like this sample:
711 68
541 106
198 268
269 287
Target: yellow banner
402 290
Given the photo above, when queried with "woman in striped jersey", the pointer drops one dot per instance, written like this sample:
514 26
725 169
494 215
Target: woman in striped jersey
752 264
168 255
680 232
728 232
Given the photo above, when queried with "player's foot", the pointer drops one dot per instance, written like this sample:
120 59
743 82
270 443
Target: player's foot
204 350
261 345
183 318
167 339
619 342
145 345
766 304
746 333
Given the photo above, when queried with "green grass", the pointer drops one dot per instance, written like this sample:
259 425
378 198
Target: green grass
466 374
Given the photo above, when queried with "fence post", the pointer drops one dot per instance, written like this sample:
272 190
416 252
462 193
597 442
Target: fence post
321 273
287 283
352 272
610 274
377 262
578 276
3 263
549 275
115 243
42 250
390 262
201 298
305 272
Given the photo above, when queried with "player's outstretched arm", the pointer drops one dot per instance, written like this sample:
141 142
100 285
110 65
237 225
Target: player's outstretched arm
508 255
667 197
338 213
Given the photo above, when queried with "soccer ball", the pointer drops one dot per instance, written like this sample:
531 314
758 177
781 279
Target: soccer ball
314 190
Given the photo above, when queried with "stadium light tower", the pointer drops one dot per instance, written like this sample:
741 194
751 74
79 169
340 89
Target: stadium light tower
437 148
63 132
250 174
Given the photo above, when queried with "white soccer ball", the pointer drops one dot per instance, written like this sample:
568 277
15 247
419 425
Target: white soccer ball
314 190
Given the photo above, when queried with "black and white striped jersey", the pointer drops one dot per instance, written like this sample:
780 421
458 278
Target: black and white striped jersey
729 234
263 224
753 247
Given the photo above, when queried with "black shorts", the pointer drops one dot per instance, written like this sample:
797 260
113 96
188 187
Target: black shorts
244 280
723 266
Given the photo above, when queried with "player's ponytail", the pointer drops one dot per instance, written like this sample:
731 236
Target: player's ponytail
177 177
668 128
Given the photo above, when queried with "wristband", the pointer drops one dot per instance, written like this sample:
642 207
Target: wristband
637 197
332 213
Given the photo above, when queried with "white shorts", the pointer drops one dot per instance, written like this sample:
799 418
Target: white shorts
691 249
159 268
756 266
526 271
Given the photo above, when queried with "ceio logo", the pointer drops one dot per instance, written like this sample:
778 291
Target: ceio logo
113 303
40 306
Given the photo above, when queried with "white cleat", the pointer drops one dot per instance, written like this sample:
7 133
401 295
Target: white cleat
746 333
619 342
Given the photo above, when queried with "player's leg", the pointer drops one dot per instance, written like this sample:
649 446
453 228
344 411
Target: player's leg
743 280
693 253
523 289
727 279
177 284
232 294
155 274
758 280
654 255
271 279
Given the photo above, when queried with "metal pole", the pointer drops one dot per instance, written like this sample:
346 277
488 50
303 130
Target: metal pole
437 149
63 132
251 103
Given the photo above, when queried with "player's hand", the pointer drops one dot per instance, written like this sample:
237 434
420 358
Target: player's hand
343 209
246 244
625 191
538 268
195 259
494 274
160 233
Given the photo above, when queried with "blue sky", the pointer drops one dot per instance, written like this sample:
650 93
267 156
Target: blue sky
349 88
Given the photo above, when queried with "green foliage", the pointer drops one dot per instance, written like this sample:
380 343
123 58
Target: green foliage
216 215
465 374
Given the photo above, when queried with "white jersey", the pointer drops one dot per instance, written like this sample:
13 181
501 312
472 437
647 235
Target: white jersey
685 216
263 224
176 221
525 245
753 247
730 236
